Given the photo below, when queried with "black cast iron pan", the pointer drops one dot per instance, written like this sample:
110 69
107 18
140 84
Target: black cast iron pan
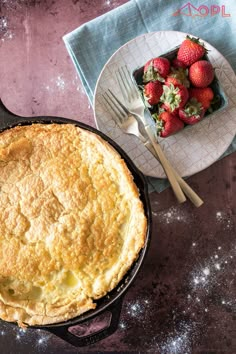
113 301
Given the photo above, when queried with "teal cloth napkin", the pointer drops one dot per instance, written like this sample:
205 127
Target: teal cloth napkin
92 44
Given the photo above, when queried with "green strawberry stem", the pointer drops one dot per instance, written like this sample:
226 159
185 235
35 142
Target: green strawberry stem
171 96
193 108
160 126
152 74
197 40
181 74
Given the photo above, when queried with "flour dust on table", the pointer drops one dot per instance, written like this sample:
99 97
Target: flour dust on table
206 285
38 339
5 32
172 215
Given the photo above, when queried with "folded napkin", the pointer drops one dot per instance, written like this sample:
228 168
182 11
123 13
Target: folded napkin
92 44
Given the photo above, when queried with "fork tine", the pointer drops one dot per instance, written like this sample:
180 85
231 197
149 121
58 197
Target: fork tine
122 84
126 85
118 103
116 114
116 106
132 88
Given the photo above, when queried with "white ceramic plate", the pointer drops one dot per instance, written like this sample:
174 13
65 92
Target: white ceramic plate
189 151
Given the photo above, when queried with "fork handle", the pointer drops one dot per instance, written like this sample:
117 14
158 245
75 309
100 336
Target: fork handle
167 167
189 192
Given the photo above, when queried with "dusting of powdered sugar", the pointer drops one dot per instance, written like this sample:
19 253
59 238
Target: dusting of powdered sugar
178 342
9 9
172 215
205 277
224 220
36 338
78 85
55 84
135 310
5 32
60 82
3 24
188 318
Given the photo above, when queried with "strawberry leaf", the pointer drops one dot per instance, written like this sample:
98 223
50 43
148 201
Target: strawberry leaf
151 74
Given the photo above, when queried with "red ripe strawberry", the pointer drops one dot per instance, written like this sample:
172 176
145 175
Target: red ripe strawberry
192 112
190 51
165 108
152 92
174 97
172 80
201 73
156 69
168 124
178 77
176 63
203 95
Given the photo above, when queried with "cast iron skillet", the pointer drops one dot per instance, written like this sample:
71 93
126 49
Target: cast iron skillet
113 301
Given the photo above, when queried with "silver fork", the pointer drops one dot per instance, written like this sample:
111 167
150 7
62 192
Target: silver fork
124 119
136 106
129 91
129 125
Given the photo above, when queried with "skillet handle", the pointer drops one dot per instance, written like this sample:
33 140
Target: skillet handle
81 341
7 117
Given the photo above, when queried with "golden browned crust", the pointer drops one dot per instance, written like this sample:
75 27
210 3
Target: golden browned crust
71 222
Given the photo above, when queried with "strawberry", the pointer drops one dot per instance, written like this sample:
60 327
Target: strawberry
174 97
164 107
172 80
190 51
176 63
167 124
156 69
178 76
201 73
203 95
152 92
192 112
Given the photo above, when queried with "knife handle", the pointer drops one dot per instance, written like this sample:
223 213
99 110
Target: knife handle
189 192
166 166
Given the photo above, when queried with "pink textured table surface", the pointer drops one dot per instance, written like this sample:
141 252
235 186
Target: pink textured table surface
183 300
